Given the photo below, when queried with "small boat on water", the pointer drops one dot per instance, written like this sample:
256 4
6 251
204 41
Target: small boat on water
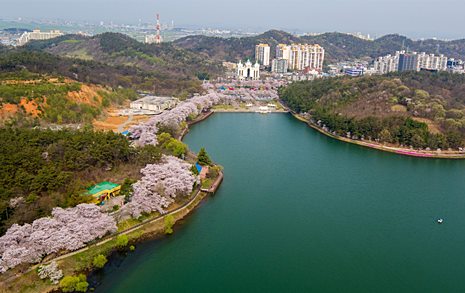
440 221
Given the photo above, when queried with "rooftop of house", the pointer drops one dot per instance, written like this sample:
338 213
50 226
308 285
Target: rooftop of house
102 186
155 100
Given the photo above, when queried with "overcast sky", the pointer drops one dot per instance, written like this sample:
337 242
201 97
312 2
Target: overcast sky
414 18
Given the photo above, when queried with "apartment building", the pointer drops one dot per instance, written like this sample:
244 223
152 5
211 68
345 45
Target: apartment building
38 35
262 54
300 56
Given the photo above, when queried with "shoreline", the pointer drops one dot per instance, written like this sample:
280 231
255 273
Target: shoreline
247 111
149 229
153 228
383 148
199 119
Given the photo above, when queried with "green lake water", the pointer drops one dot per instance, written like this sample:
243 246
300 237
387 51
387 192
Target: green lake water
301 212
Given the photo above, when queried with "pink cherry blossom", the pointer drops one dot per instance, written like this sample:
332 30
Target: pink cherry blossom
67 229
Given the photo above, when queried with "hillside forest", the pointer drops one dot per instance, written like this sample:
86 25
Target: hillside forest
423 110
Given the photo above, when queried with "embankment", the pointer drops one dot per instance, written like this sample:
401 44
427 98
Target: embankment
81 260
384 148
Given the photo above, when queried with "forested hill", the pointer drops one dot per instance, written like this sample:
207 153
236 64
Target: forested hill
115 60
31 99
118 49
233 49
423 110
338 46
43 169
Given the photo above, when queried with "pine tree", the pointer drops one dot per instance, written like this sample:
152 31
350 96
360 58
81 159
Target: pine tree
203 158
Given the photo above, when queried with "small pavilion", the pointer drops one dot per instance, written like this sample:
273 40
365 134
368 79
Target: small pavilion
103 191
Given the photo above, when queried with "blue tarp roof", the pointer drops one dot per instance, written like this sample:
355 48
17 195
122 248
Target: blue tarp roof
199 168
126 133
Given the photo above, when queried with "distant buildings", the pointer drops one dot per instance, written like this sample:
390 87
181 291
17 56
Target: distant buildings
296 57
248 71
386 64
452 63
360 35
152 103
300 56
279 65
283 51
432 62
38 35
410 61
455 66
262 54
354 71
151 39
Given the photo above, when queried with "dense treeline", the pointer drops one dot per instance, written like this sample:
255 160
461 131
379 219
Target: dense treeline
42 169
396 130
81 70
97 72
118 60
423 110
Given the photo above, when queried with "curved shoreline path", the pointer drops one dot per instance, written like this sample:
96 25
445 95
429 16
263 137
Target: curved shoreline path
384 148
179 213
299 212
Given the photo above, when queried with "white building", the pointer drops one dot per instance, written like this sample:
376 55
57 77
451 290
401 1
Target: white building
432 62
279 65
248 71
38 35
300 56
152 103
455 66
390 63
262 54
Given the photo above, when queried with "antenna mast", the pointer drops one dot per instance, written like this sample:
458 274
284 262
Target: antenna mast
158 36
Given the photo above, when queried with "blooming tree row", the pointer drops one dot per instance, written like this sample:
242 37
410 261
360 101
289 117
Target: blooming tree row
70 229
256 90
67 229
159 187
146 133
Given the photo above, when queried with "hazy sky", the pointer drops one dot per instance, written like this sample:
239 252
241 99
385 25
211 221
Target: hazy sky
415 18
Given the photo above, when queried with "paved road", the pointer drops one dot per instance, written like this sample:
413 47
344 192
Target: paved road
122 126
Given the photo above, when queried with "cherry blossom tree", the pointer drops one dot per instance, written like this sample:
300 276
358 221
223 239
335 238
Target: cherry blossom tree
67 229
51 272
146 132
159 186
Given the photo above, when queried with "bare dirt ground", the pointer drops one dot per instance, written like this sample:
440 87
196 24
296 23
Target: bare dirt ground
114 122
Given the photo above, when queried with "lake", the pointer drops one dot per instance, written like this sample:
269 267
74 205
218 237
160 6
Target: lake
300 212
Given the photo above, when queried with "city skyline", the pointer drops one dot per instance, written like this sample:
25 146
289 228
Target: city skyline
376 18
